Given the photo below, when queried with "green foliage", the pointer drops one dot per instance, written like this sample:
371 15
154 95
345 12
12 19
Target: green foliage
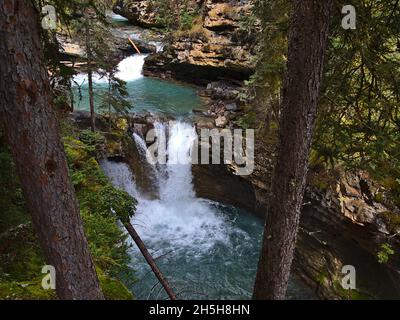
114 100
358 121
189 17
322 277
350 294
174 14
118 202
273 41
359 116
163 8
113 289
12 203
91 140
392 220
101 203
25 290
247 121
107 243
20 254
384 253
101 206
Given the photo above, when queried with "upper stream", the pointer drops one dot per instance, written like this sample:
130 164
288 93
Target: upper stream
145 94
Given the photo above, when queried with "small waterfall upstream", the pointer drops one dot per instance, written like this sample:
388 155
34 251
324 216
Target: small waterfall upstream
131 68
207 250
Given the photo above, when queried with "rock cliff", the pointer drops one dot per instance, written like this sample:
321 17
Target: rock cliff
218 44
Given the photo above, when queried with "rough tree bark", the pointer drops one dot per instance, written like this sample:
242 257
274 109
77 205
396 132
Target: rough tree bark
31 131
308 34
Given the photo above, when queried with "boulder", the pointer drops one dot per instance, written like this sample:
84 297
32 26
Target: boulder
232 106
221 121
138 12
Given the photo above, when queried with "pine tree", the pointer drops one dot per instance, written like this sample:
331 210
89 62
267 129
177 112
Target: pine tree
308 35
31 131
114 99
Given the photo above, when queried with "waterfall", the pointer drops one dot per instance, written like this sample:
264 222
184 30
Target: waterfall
159 46
140 144
177 184
208 250
131 68
120 176
177 219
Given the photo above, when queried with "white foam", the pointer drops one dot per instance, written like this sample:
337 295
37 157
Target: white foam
82 79
159 46
129 69
178 220
117 17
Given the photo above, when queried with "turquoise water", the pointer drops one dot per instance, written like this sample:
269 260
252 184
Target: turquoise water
224 271
207 250
145 94
117 20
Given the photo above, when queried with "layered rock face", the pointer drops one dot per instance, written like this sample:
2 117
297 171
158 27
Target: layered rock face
138 12
217 46
342 224
220 48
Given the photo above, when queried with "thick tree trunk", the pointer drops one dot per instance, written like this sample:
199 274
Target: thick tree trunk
307 44
31 130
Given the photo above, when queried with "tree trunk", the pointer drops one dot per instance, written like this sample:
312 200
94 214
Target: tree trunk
307 44
31 130
109 104
90 75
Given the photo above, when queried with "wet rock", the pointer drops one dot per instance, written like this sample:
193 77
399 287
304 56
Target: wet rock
221 122
122 43
338 227
204 123
138 12
231 106
218 48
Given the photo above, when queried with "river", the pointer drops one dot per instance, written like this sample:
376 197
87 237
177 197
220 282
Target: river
145 94
206 249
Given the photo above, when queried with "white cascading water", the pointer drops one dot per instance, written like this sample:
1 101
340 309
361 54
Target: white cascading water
82 79
178 179
177 219
129 69
159 46
206 252
140 144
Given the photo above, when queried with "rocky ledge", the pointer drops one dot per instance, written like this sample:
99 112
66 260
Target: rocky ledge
217 46
345 221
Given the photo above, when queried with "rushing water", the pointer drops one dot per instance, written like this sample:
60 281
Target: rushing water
117 20
145 94
207 250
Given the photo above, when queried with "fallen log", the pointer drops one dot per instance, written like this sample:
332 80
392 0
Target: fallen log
134 46
135 236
